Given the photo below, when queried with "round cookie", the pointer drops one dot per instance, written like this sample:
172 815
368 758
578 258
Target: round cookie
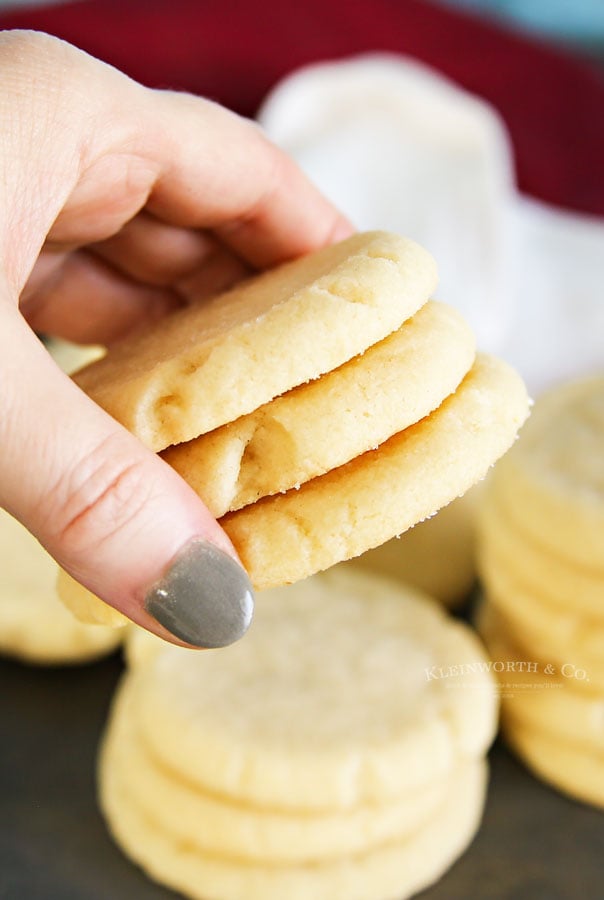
382 493
285 442
437 555
590 679
551 484
571 769
561 635
394 869
237 831
553 624
549 703
34 626
336 698
554 578
213 361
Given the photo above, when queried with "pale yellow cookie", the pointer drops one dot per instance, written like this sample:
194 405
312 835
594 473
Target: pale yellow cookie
554 625
336 698
34 625
379 494
561 635
384 492
229 829
219 359
552 484
586 675
552 577
321 425
394 869
437 555
543 696
570 768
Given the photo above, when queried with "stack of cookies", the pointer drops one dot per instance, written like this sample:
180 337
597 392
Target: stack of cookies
541 556
336 753
318 409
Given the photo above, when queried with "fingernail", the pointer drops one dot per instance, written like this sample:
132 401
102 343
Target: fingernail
204 598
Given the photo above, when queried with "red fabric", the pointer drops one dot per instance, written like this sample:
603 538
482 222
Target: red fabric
234 52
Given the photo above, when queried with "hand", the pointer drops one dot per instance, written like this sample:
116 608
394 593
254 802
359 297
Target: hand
118 203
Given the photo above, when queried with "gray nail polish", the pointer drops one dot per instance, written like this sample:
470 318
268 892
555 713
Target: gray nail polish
204 598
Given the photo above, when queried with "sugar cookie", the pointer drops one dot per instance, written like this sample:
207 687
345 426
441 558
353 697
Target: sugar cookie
545 697
563 636
382 493
285 538
323 424
550 576
238 831
573 770
551 484
219 359
336 698
394 869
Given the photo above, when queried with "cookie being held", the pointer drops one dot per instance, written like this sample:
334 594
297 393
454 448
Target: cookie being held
216 360
325 423
374 444
385 491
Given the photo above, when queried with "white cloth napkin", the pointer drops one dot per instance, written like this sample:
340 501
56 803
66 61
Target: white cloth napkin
558 272
397 146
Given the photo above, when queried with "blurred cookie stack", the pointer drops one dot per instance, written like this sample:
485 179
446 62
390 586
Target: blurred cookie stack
541 556
338 752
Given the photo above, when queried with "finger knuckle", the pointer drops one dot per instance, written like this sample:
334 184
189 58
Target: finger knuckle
99 498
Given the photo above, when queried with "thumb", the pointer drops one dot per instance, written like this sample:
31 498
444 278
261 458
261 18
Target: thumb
111 512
